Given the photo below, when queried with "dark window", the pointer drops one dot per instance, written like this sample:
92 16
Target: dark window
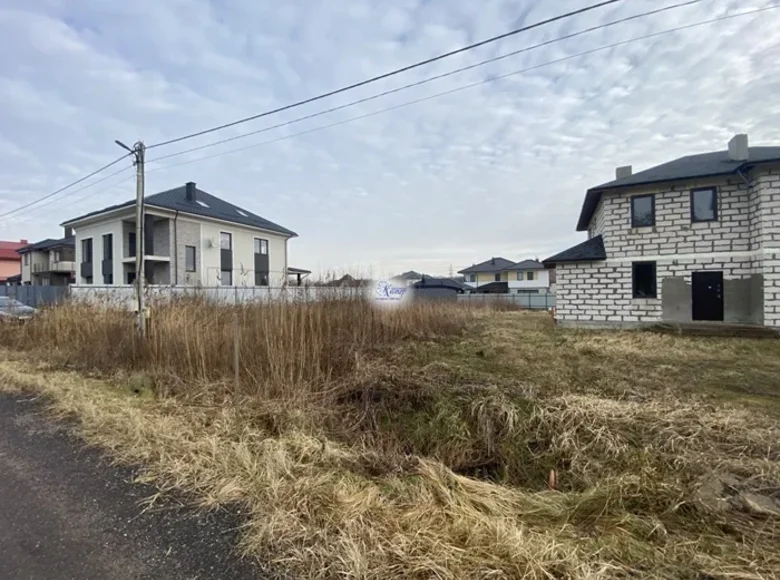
131 245
88 280
704 204
497 277
520 276
226 277
225 241
642 211
189 258
108 247
261 278
530 275
131 277
472 277
26 259
108 279
86 251
643 278
261 246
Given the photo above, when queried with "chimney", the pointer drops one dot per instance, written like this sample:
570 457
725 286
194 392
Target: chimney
492 261
738 148
624 171
190 191
25 242
68 231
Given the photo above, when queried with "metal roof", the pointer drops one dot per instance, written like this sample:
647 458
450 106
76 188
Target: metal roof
689 167
48 244
491 265
212 207
591 250
527 265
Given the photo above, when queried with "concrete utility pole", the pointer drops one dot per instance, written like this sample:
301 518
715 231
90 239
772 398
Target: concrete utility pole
139 151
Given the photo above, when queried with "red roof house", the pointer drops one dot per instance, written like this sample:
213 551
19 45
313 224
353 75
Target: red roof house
10 260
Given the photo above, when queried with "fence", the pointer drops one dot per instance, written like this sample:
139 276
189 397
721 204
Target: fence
529 301
36 296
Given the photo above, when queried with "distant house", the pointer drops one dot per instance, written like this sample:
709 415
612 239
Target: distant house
502 276
693 239
10 262
409 278
347 281
431 288
50 262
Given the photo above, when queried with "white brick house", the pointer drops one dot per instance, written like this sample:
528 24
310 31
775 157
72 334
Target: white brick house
191 238
697 238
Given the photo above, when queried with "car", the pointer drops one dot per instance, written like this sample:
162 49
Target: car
14 311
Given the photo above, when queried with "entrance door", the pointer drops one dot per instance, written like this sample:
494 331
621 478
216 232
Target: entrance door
707 295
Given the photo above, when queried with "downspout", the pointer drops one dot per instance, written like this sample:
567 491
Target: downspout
175 249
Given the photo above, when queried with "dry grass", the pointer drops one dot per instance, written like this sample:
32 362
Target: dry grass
420 443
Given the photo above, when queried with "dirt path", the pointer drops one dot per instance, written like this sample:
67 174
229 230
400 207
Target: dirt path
66 513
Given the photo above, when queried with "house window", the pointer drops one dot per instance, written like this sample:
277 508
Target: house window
131 244
26 259
642 211
643 279
530 275
472 277
108 247
261 246
261 278
189 258
225 241
226 278
108 279
86 251
497 277
704 204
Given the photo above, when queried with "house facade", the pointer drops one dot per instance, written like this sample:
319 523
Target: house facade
499 275
695 239
191 238
10 262
50 262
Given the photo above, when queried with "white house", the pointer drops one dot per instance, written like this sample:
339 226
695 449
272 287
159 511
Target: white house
50 262
694 239
191 238
502 276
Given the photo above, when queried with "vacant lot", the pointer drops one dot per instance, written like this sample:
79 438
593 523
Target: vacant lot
436 441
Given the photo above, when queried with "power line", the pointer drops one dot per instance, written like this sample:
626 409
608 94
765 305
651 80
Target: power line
60 190
472 85
427 80
389 74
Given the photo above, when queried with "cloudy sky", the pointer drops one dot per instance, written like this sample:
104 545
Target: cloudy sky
499 169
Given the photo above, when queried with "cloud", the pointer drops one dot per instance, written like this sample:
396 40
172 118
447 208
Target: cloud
498 169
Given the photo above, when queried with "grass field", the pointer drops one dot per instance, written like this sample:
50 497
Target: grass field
436 441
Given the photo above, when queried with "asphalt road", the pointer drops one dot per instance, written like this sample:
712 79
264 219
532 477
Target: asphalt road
66 513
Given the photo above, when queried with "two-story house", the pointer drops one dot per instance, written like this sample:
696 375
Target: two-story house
50 262
502 276
694 239
191 238
10 268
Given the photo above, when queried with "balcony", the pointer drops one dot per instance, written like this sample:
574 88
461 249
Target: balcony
61 267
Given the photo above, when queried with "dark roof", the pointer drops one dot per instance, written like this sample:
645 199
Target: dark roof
49 244
591 250
291 270
428 282
410 275
175 199
688 167
491 265
527 265
492 288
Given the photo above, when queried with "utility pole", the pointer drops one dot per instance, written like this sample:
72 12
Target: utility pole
139 151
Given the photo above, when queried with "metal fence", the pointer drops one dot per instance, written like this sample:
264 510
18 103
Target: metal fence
36 296
529 301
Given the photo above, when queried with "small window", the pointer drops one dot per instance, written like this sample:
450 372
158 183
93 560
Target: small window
261 278
520 276
261 246
472 277
530 275
225 241
226 278
704 204
643 279
241 212
108 279
189 258
26 259
131 244
108 246
86 251
642 211
201 203
497 277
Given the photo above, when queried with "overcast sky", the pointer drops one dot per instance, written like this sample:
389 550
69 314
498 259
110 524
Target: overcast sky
495 170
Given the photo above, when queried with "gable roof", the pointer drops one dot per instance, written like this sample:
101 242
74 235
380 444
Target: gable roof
591 250
527 265
49 244
491 265
689 167
410 275
215 208
433 282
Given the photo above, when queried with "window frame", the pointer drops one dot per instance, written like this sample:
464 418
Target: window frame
714 191
497 277
652 205
229 239
87 243
263 244
27 258
110 246
472 277
265 274
194 259
531 276
634 284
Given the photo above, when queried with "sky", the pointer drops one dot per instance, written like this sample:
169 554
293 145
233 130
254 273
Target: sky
499 169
